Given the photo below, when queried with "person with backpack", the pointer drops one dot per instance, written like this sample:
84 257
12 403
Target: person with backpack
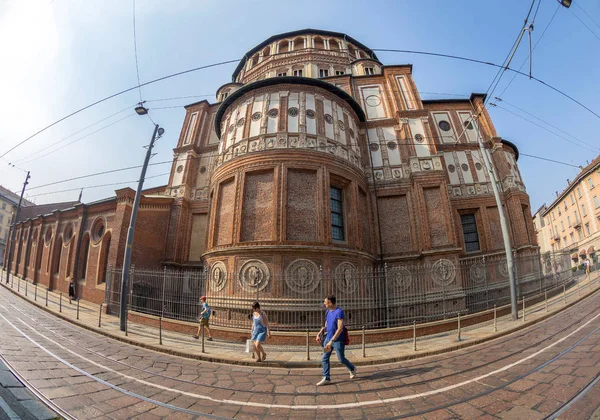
334 336
204 317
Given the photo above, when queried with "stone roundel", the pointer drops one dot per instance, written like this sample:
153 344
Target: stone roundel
443 272
302 276
503 267
346 278
399 279
218 276
254 275
477 272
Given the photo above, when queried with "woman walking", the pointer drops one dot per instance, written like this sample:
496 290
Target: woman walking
71 291
260 331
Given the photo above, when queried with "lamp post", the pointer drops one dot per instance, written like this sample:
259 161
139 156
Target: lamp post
131 231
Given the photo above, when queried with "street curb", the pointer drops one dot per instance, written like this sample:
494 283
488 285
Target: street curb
305 363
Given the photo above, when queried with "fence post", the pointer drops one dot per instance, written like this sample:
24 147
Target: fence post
162 311
35 293
523 308
364 348
414 335
565 293
77 308
458 337
546 300
387 295
60 304
307 344
46 297
495 318
202 333
160 330
100 316
19 285
26 283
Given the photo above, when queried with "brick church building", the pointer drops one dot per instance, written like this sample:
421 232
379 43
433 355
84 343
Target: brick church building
315 157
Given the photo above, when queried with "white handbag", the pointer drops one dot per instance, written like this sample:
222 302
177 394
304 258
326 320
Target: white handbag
249 346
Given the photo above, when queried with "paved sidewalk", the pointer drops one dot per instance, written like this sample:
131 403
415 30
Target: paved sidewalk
294 356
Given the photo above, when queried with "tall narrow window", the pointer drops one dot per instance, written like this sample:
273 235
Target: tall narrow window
596 201
323 72
569 220
282 74
583 210
470 234
298 73
337 214
190 128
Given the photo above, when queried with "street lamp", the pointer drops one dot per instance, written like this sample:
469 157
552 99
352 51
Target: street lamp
158 132
565 3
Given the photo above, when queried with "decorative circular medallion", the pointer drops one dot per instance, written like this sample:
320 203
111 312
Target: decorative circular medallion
374 147
310 114
373 100
443 272
444 125
341 125
477 273
503 267
451 168
468 125
464 167
351 131
256 116
478 166
346 278
98 229
231 128
273 112
399 279
218 276
203 169
241 122
254 275
180 169
293 112
302 276
328 119
419 138
391 145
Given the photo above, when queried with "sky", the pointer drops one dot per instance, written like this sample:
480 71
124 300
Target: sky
61 55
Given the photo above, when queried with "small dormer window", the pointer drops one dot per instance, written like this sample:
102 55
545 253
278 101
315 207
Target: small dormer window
340 72
282 74
224 95
298 73
323 72
369 70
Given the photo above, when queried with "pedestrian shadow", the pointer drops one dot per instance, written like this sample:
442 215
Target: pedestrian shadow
399 373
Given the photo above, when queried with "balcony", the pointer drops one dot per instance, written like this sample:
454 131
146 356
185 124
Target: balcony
577 224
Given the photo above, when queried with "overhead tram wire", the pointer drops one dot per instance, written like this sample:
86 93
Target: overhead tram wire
587 14
137 67
585 24
487 63
549 160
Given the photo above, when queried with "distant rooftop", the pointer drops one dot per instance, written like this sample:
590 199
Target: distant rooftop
8 195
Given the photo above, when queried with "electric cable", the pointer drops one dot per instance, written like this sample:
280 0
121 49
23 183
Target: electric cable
585 24
587 14
137 67
549 160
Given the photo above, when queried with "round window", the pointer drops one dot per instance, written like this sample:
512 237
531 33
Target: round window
328 119
464 167
231 128
451 168
374 147
310 114
469 125
341 125
256 116
444 125
203 169
293 112
419 138
241 122
98 229
478 166
273 113
180 169
391 145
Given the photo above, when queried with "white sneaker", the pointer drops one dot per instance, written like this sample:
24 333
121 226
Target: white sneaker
352 373
323 381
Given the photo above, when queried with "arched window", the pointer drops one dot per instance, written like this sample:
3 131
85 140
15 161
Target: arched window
85 251
104 251
266 52
57 256
334 45
284 46
255 58
298 44
319 43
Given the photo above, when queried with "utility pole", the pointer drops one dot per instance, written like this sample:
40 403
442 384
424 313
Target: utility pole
504 226
131 231
14 225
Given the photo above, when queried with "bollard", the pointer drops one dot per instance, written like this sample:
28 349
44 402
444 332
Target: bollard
364 349
565 294
35 293
77 308
100 316
60 304
414 335
160 330
458 337
202 332
26 283
546 300
523 309
495 319
307 344
46 297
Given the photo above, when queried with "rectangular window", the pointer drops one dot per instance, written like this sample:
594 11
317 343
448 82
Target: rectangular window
3 206
569 220
323 72
1 218
566 208
282 74
565 240
470 234
572 238
340 72
587 229
190 129
579 192
369 70
580 234
337 214
596 201
572 199
562 225
405 92
559 212
583 211
591 182
298 73
553 218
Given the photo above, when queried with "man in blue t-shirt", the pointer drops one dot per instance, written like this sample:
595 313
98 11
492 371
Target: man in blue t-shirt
204 317
335 339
